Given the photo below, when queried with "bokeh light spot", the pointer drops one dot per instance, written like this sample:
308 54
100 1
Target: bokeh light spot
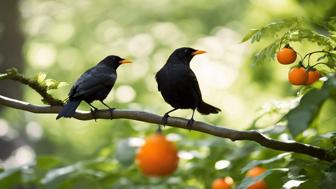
125 93
141 45
4 128
222 164
41 55
34 130
24 155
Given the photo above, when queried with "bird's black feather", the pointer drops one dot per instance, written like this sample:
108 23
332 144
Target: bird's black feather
178 83
69 109
94 84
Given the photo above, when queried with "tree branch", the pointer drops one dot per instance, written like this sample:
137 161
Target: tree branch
180 123
14 75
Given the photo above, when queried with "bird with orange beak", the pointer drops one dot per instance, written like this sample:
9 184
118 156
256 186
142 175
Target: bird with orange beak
94 84
179 86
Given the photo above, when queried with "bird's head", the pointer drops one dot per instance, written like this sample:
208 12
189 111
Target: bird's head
114 61
184 55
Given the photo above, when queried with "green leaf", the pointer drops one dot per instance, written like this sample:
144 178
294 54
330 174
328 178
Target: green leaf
60 172
62 84
45 163
298 121
8 173
247 181
270 30
10 178
314 37
12 71
248 35
53 84
322 57
41 77
301 116
255 163
332 28
266 54
329 181
103 165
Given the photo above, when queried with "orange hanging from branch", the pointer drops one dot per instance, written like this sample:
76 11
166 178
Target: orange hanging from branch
222 183
157 157
297 76
313 75
254 172
286 56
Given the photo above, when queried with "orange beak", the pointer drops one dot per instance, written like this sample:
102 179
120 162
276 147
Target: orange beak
198 52
125 61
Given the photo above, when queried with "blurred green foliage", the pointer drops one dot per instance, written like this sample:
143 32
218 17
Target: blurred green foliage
64 38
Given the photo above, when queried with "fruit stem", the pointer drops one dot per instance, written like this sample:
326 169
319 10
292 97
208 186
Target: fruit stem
301 64
159 129
314 52
309 59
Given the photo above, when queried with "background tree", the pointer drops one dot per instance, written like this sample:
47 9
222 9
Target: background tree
11 41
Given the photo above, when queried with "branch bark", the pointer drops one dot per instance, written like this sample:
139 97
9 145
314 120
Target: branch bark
231 134
13 74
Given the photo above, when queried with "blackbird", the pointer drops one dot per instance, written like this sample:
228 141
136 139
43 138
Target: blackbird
94 84
179 86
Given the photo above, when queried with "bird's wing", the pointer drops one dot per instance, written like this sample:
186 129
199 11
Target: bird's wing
157 77
193 80
92 81
178 74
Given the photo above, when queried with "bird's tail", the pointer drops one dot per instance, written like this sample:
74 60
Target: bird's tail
206 109
69 109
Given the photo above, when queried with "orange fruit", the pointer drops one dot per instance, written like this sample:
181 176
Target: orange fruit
254 172
297 76
313 75
222 183
157 157
258 185
286 56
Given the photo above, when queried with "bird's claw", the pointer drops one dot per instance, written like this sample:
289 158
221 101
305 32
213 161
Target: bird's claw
164 119
111 112
93 113
190 123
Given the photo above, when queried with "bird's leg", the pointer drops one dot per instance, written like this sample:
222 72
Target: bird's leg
191 121
93 111
164 119
110 109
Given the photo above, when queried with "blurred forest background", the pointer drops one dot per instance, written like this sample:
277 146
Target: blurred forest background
64 38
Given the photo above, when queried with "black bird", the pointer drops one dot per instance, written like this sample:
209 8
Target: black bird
179 86
94 84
